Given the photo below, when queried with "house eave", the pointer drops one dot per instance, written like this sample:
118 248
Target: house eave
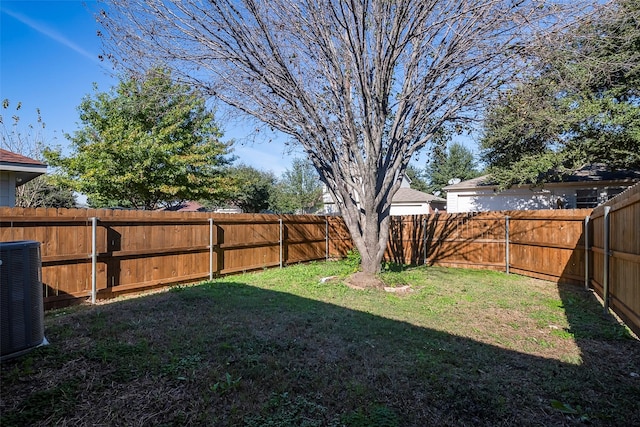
23 173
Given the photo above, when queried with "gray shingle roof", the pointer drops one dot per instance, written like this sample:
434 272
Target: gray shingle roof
590 173
411 195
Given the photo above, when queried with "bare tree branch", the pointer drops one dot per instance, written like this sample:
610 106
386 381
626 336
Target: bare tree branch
362 85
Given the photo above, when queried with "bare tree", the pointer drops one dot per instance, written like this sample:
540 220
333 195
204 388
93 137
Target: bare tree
362 85
29 140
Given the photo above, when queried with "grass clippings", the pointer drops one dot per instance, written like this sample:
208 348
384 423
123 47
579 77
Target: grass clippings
282 348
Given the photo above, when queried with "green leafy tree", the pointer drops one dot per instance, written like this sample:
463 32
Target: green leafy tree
580 106
147 143
253 189
299 190
456 162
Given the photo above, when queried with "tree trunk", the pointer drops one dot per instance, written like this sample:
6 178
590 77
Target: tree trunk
370 235
371 263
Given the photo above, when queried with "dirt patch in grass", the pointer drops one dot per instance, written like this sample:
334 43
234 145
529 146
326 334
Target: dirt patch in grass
361 281
281 348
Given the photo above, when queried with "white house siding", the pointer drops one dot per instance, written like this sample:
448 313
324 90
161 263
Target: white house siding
405 202
7 189
409 208
553 197
516 199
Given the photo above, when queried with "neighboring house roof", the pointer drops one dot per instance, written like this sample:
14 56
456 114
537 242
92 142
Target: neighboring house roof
10 157
588 174
24 168
480 181
599 173
404 195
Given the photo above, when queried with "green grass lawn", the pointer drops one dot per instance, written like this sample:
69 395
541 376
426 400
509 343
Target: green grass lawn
279 348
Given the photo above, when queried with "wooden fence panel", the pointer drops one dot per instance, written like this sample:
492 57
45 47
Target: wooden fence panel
623 291
245 244
305 238
65 242
466 240
596 262
625 262
406 240
340 242
548 244
138 249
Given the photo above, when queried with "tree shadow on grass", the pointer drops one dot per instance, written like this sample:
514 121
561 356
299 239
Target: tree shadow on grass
233 354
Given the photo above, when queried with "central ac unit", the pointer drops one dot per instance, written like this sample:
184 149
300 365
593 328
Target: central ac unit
21 304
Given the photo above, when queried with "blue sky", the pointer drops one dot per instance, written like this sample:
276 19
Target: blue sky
49 60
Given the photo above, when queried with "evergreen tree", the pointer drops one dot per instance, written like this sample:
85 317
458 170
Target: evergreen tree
456 162
416 177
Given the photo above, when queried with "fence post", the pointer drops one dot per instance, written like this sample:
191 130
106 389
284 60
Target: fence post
424 241
94 259
605 269
506 243
586 252
326 238
210 248
281 242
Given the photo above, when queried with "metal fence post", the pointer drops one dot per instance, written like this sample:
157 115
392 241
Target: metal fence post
424 241
605 269
506 243
586 252
281 242
326 238
210 248
94 259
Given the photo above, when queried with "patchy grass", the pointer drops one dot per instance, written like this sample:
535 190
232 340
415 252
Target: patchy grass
279 348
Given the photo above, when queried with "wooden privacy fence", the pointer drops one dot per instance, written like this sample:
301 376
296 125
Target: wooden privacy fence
101 253
543 244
